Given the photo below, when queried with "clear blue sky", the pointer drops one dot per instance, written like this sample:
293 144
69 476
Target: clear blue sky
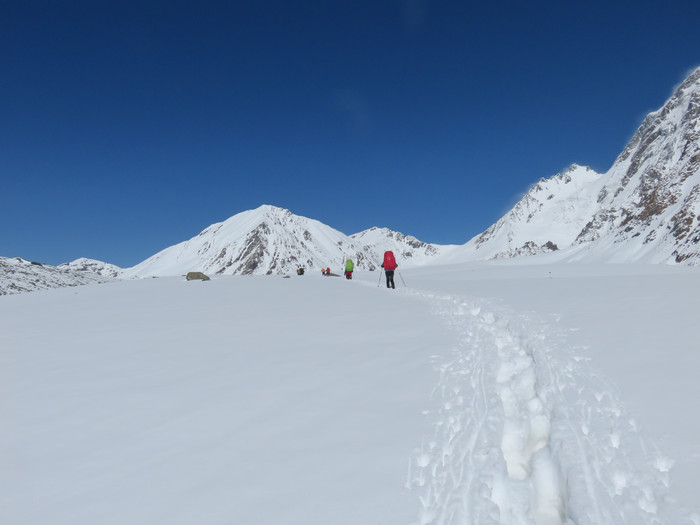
128 127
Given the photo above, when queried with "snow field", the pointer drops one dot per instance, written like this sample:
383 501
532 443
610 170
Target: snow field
247 400
308 400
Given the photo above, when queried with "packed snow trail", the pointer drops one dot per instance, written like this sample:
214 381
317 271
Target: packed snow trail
528 433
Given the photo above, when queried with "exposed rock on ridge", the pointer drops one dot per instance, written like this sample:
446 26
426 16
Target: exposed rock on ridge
646 208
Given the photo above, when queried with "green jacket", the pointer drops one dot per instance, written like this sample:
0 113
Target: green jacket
349 266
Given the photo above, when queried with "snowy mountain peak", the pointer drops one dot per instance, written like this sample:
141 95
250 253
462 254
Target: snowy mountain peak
645 208
271 240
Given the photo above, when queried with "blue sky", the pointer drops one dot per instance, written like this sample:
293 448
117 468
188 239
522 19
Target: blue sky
128 127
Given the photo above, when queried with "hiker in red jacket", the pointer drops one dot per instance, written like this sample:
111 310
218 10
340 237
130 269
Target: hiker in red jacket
389 266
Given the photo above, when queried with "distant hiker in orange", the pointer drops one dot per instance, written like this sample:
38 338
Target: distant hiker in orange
389 266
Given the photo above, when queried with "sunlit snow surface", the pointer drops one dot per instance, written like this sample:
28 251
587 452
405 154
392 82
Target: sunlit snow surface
477 394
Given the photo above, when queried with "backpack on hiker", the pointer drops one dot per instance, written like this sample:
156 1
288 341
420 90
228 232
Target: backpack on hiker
389 261
349 267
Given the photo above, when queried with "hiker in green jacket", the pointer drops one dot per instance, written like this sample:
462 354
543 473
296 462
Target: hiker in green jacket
349 267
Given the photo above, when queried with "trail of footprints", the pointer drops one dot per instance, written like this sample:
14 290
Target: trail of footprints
527 433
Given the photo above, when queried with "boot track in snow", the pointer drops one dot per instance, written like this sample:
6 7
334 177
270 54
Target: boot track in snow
528 433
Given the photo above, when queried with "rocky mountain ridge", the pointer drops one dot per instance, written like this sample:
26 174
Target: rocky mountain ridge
646 208
18 275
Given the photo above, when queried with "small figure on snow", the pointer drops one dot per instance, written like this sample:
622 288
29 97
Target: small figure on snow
349 267
389 266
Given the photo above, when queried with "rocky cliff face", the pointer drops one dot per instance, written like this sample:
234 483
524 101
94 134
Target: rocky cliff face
652 196
645 208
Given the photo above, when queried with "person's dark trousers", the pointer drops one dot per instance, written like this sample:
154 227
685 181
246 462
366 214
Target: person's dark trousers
389 278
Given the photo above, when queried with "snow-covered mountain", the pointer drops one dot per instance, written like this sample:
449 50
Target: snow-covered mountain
18 275
91 265
272 240
267 240
646 208
547 218
409 250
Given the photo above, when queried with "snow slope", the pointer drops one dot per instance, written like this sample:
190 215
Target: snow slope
596 377
484 393
549 217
